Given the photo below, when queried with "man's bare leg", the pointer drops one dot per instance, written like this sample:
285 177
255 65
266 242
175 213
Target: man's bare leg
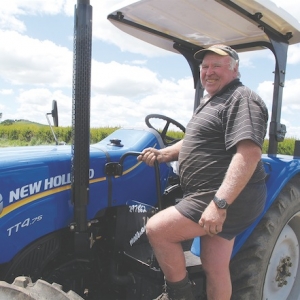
215 258
166 230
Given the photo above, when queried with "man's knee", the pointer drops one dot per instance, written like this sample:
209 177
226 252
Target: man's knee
153 228
166 225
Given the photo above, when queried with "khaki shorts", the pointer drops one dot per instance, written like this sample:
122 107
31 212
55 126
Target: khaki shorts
240 214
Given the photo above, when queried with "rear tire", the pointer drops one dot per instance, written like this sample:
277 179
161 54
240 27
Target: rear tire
268 265
23 289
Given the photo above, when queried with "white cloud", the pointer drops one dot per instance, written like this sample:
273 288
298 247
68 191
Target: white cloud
290 104
265 91
39 71
6 92
292 7
294 54
122 79
291 92
105 31
13 9
33 104
138 62
126 102
25 60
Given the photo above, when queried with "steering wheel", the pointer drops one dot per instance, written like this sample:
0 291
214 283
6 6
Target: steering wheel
166 139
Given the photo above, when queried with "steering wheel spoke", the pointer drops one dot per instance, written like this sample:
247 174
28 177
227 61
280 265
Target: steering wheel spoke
166 139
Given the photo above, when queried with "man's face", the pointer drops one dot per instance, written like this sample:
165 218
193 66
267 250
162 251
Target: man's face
215 72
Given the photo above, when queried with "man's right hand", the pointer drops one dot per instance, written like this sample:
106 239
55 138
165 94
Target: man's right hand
149 155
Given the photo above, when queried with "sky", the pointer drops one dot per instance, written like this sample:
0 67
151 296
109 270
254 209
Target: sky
130 79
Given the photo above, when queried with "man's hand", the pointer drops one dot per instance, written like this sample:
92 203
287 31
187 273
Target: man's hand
149 155
212 219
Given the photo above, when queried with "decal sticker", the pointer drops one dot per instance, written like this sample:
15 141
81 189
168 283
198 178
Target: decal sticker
137 235
137 208
42 186
19 226
25 191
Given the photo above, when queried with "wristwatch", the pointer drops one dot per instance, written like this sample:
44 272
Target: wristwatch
221 203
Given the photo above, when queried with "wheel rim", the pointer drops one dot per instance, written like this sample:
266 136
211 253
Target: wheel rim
283 270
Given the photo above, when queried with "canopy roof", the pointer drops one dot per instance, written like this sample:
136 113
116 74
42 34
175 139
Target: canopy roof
238 23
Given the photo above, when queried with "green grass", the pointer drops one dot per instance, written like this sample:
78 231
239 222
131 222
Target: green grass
286 147
26 133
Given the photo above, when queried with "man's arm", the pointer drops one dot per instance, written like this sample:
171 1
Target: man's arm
240 170
149 155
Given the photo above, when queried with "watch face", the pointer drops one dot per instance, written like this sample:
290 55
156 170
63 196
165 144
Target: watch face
222 203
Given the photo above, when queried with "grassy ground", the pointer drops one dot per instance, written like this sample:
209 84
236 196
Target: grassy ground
26 133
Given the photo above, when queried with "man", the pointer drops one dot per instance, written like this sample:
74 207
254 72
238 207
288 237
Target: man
221 175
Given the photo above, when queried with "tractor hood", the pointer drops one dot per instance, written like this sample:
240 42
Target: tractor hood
35 185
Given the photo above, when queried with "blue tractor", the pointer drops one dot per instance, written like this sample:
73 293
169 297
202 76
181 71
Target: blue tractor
72 218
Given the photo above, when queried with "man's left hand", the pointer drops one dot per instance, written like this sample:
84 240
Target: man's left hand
212 219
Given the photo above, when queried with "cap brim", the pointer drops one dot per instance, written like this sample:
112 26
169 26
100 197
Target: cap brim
200 54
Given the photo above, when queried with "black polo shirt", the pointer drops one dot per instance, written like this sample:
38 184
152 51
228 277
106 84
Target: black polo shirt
236 113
